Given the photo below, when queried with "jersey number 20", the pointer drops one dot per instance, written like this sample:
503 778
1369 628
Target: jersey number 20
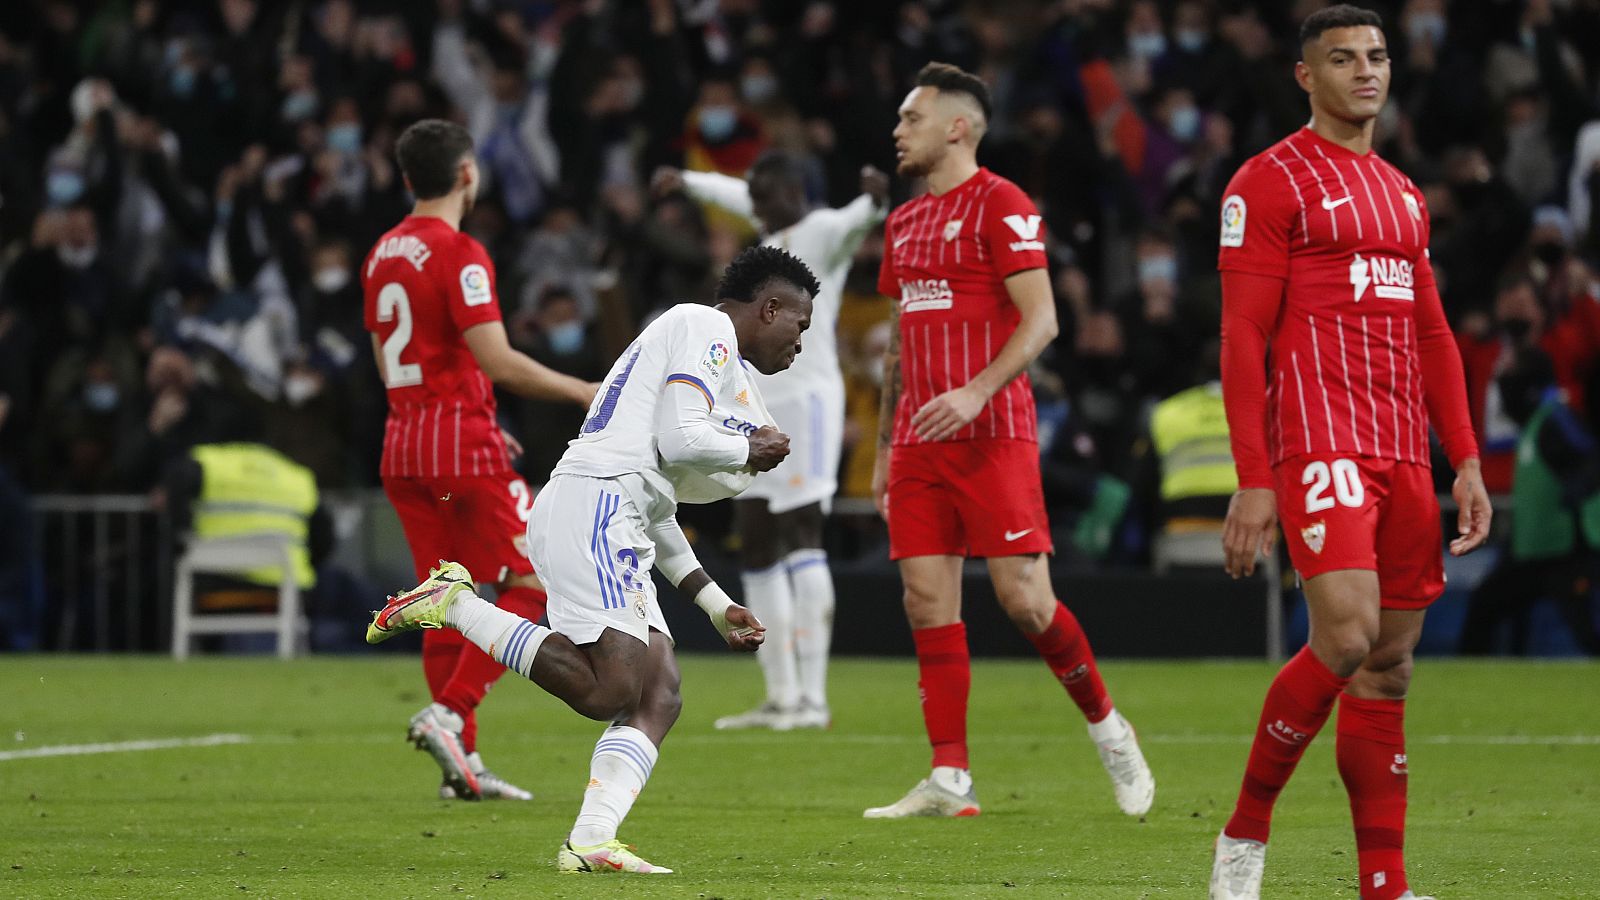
1345 479
393 303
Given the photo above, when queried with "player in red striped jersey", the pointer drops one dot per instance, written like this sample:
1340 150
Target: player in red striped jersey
1336 354
440 344
957 471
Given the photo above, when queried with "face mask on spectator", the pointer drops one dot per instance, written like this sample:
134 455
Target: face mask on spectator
101 396
182 82
1147 44
1184 123
63 186
1158 268
566 338
875 371
331 280
1192 40
299 106
1427 28
717 123
300 387
77 257
345 138
758 88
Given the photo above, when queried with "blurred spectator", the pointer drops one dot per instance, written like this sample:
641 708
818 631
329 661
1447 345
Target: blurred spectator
1555 515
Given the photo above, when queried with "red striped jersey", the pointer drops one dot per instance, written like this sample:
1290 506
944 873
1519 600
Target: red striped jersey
424 284
945 259
1348 234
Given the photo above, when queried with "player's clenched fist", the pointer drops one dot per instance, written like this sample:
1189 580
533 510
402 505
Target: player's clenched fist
744 632
768 447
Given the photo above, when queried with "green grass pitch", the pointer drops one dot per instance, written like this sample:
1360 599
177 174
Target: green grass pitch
325 799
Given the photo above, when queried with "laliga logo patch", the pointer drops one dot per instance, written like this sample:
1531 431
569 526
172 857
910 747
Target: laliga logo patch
1411 205
716 357
475 285
1313 535
951 229
1233 221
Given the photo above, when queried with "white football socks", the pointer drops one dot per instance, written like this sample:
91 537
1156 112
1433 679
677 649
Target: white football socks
512 640
768 594
813 621
623 758
1108 730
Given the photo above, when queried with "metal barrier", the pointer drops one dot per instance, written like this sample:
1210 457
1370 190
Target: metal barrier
103 555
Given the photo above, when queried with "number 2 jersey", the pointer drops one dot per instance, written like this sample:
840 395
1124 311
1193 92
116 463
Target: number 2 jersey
424 284
1358 351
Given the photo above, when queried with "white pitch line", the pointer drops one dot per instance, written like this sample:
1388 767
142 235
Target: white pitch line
210 740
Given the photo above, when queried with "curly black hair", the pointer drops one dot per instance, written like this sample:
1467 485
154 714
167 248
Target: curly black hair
751 270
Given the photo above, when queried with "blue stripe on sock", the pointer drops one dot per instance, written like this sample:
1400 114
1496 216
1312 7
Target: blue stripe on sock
508 651
627 751
518 645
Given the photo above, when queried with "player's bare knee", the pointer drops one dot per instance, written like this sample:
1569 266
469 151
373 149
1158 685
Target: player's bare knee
924 606
1387 672
1342 650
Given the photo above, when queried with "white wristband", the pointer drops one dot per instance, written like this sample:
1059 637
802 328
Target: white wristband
715 602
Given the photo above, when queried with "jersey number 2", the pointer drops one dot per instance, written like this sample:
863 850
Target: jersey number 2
1345 479
393 304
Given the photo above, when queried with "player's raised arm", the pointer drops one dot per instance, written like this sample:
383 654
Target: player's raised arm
519 373
948 413
732 194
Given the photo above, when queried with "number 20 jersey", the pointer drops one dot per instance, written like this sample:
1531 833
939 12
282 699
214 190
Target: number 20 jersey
424 284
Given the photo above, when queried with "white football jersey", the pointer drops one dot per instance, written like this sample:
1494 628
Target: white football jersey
825 240
674 410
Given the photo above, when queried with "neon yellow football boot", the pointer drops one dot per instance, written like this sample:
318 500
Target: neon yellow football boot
423 606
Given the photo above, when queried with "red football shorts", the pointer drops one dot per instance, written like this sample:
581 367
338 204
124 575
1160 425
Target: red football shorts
967 498
1359 512
476 520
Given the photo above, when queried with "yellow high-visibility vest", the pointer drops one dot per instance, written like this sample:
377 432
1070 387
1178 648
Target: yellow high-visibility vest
1190 433
252 489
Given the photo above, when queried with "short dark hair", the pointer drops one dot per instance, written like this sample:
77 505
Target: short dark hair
429 152
956 80
777 164
1341 15
752 269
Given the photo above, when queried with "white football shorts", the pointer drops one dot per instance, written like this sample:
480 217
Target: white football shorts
588 545
814 422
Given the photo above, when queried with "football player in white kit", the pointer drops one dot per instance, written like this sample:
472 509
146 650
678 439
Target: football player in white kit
680 419
779 519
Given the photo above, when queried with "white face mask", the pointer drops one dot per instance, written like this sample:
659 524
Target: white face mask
299 388
330 280
77 257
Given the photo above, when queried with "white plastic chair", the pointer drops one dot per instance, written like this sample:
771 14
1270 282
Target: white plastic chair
231 556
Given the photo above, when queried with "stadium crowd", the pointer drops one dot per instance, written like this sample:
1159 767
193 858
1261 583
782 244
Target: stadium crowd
187 189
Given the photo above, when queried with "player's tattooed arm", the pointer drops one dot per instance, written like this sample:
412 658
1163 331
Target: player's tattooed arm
890 399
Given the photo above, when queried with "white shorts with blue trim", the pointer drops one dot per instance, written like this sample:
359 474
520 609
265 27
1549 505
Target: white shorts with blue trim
588 545
814 422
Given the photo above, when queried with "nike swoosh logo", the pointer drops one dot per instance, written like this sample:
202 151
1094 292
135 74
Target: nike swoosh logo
899 241
1014 535
1331 206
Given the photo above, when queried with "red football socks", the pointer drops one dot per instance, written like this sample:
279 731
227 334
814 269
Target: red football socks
1371 752
1066 651
1297 705
946 667
475 671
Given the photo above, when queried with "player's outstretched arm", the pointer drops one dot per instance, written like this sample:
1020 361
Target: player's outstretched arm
715 188
1249 313
948 413
517 372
